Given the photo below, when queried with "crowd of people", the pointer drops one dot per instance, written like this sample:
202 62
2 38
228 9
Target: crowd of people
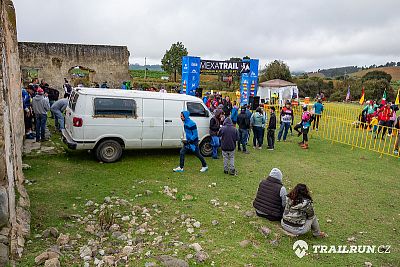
381 119
38 99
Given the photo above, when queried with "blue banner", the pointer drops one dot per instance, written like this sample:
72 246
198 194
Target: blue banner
249 82
190 75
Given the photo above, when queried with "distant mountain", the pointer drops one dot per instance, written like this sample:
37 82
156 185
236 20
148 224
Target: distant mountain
141 67
335 72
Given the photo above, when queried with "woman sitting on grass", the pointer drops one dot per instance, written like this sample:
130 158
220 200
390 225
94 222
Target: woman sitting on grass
298 217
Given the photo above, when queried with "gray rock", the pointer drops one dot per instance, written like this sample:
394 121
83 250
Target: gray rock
52 263
214 222
4 255
201 256
169 261
3 207
249 213
107 199
244 243
4 239
265 230
367 264
150 264
54 232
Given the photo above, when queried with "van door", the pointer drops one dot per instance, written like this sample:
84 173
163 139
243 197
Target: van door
153 122
173 126
115 117
201 115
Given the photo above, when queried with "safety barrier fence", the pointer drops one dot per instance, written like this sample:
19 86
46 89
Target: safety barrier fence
339 129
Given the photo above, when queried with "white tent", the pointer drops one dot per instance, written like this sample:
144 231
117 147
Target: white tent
282 90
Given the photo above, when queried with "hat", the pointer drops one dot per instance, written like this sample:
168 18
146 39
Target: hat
40 91
276 173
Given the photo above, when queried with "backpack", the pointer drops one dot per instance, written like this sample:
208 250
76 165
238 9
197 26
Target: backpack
306 116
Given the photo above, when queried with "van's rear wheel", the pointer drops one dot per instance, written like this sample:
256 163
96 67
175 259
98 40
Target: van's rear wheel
205 147
109 151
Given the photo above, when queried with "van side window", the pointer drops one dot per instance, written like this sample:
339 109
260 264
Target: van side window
115 106
196 109
72 100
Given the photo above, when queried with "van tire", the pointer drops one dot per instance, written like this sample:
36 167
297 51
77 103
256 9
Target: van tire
109 151
205 147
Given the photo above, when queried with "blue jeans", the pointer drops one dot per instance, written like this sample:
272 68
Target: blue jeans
258 137
41 120
284 127
186 149
215 145
243 137
59 119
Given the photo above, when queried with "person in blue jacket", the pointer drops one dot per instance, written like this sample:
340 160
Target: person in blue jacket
191 144
318 108
26 103
234 113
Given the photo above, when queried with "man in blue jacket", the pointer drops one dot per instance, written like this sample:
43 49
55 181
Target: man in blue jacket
318 108
191 144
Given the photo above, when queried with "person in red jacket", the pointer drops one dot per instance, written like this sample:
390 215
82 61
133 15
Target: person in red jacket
384 115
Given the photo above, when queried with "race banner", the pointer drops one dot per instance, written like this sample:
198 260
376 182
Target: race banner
190 75
249 82
215 66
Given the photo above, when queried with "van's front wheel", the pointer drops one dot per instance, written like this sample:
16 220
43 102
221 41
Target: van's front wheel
205 147
109 151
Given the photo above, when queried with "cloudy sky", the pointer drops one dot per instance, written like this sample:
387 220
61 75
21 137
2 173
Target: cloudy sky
307 35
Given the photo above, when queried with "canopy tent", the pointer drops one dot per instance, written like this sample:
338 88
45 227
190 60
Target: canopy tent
278 91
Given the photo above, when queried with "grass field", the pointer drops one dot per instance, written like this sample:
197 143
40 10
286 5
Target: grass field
356 194
394 71
151 74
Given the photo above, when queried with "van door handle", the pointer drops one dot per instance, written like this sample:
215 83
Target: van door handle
168 120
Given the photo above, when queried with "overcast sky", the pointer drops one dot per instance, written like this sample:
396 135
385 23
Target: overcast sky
307 35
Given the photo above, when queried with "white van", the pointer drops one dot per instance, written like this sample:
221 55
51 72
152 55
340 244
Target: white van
110 120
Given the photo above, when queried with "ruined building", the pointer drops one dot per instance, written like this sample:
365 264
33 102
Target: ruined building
80 64
14 201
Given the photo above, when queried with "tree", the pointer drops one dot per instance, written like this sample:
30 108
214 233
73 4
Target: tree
377 75
277 69
172 60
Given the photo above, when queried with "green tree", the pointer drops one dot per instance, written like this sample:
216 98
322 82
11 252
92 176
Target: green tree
277 69
172 60
377 75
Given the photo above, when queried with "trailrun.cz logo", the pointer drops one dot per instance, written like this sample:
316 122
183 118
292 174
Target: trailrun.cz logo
300 248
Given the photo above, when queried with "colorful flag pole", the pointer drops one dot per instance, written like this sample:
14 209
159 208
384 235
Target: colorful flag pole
362 99
348 94
384 98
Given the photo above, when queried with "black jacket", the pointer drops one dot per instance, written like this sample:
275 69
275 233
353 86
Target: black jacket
272 122
268 199
243 121
229 136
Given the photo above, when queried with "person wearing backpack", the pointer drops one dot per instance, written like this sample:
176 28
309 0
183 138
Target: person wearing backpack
304 125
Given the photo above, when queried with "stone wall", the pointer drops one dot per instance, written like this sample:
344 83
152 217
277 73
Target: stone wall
53 61
14 201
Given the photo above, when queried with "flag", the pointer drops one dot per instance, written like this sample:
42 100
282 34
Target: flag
397 102
362 96
348 94
384 98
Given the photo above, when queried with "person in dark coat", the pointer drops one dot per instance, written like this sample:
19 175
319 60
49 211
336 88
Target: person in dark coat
271 129
229 136
215 125
243 122
270 200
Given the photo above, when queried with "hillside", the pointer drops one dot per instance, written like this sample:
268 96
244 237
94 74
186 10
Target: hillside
394 71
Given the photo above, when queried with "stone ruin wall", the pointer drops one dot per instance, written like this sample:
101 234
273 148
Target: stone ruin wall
54 60
14 201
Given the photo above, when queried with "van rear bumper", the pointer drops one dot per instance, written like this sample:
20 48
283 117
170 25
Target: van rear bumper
67 139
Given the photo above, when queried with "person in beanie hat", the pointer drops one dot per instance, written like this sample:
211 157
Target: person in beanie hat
270 200
271 129
40 106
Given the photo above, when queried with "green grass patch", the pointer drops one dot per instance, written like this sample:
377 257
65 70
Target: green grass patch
356 190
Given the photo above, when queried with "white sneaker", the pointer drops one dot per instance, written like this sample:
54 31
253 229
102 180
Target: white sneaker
178 169
204 169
